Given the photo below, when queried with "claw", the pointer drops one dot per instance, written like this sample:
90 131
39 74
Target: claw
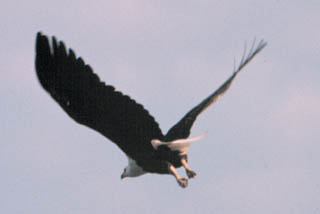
191 174
183 182
189 171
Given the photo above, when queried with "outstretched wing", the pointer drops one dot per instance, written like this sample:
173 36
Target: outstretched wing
74 86
182 128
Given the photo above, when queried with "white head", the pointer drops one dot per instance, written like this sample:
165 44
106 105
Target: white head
132 170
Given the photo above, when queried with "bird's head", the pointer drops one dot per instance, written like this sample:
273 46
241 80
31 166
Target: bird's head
124 173
132 170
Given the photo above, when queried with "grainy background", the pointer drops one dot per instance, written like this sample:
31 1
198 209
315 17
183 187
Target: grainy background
261 154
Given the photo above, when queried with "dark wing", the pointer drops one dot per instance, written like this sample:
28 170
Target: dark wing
90 102
182 128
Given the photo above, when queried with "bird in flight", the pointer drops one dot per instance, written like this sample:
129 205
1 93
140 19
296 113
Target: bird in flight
91 102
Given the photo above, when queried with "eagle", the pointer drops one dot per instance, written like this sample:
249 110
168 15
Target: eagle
93 103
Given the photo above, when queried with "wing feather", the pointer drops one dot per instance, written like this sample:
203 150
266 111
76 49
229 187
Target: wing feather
182 129
90 102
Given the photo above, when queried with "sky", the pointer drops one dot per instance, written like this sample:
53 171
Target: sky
261 152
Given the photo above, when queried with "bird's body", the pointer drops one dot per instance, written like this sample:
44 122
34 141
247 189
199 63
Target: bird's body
90 102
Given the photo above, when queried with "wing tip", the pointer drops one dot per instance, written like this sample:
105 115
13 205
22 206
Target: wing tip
39 34
246 58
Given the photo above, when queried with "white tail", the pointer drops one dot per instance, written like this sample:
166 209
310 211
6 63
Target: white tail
180 145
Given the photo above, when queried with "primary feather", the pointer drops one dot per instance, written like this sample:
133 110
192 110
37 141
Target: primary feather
79 91
182 128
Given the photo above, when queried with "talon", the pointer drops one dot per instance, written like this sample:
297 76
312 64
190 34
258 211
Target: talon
191 174
183 182
189 171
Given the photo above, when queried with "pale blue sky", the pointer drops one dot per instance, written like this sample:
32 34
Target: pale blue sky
261 154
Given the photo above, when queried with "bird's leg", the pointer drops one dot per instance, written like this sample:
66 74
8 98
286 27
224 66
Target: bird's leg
189 171
183 182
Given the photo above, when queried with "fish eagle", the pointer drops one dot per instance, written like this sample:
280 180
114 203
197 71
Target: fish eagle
91 102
